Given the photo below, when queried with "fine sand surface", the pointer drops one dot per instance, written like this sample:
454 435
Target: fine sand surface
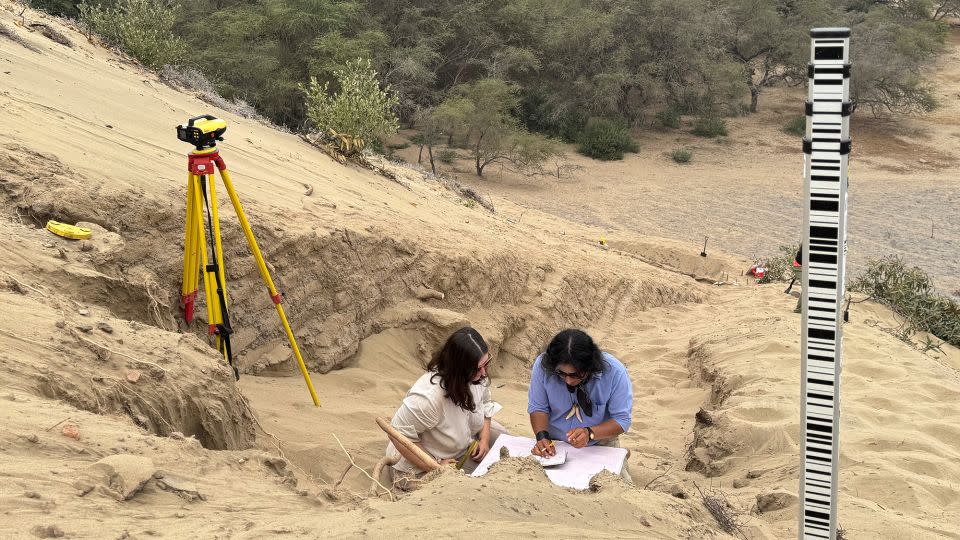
95 360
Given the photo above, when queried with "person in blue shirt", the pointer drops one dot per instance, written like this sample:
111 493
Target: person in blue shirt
578 394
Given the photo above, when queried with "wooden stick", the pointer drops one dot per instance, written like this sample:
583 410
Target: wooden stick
344 475
385 461
374 480
414 454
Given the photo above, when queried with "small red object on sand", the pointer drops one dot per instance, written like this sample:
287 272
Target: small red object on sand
71 431
133 376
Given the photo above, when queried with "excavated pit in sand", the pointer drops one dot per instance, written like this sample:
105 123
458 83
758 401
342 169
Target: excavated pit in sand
341 286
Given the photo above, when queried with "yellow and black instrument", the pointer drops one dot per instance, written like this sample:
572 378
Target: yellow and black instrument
203 253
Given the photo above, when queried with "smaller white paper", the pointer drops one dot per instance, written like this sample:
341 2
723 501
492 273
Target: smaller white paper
557 459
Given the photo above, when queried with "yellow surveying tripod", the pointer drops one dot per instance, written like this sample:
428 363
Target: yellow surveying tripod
203 132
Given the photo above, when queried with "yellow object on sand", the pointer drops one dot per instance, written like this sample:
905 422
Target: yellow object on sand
68 231
467 454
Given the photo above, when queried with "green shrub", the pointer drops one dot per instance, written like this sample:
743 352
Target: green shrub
447 156
141 28
796 126
710 126
681 155
538 115
910 293
669 118
361 108
606 139
780 268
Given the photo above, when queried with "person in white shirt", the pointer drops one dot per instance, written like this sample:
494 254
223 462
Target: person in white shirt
448 411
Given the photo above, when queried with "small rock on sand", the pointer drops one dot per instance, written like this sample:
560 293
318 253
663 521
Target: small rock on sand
70 430
105 327
33 438
180 487
133 376
775 500
121 475
47 531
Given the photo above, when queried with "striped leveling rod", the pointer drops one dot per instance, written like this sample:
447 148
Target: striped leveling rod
826 148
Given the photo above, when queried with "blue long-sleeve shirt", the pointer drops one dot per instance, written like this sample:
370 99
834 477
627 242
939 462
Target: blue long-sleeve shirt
610 391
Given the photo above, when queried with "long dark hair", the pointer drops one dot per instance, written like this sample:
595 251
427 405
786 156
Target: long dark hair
574 347
455 365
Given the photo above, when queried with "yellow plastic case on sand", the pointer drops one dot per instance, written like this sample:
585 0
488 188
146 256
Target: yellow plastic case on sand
68 231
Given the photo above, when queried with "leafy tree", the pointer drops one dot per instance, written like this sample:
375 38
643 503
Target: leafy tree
62 8
492 135
261 51
945 8
888 56
142 28
360 108
431 126
770 39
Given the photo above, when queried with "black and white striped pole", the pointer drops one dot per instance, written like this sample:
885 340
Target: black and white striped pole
826 148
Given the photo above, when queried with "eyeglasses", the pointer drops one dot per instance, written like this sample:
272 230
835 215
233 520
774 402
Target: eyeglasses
565 375
483 365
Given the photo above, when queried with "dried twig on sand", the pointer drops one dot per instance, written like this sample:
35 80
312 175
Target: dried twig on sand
30 341
722 512
103 352
119 387
12 34
51 33
154 305
666 472
22 284
277 441
353 463
58 423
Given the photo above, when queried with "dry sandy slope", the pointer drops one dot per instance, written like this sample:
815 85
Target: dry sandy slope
350 258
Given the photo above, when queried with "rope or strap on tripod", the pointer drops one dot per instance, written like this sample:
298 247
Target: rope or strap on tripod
223 329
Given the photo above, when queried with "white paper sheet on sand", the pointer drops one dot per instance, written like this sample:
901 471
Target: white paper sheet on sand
581 464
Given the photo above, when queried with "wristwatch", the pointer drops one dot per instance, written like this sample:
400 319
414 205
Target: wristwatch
590 431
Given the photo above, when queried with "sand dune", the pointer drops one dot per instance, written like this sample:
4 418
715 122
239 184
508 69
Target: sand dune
90 338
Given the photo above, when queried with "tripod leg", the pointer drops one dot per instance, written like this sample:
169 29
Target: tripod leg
222 316
211 297
265 274
190 269
215 216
